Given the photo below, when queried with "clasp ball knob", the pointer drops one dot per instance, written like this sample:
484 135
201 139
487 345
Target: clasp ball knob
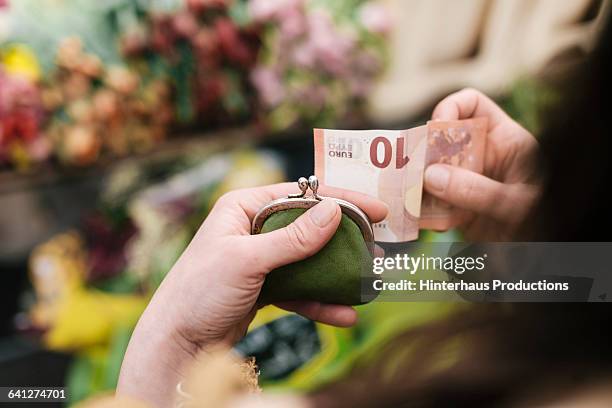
303 184
313 183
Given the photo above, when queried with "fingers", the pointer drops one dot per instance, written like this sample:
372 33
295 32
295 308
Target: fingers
468 190
302 238
469 103
375 209
335 315
251 200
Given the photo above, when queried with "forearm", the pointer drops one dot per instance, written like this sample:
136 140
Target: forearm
165 341
155 359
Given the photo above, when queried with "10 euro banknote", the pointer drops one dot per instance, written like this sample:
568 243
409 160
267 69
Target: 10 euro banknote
389 165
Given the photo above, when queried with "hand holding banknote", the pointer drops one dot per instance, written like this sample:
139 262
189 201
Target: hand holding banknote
494 203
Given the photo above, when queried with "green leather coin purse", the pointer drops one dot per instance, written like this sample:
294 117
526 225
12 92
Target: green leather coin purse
338 272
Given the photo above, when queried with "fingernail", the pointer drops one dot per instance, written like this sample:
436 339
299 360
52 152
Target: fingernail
436 177
322 213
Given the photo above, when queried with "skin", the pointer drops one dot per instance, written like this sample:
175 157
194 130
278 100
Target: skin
497 201
208 299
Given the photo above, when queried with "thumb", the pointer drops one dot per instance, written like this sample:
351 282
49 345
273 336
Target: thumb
467 190
302 238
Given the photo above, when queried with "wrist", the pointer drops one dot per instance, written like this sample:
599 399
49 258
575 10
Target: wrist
155 360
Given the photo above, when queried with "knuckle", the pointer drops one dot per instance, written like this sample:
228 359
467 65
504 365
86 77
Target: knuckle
478 196
469 91
232 197
228 197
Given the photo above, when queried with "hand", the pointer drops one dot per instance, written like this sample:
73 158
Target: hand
209 297
498 200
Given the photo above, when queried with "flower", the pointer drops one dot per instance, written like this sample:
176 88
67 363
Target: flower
292 22
331 46
122 79
315 65
20 118
269 86
81 144
230 42
19 59
266 10
201 6
375 18
185 24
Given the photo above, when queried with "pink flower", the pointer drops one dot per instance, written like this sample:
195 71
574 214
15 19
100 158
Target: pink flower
269 86
331 46
17 92
314 96
40 149
265 10
20 116
185 24
304 55
375 18
292 23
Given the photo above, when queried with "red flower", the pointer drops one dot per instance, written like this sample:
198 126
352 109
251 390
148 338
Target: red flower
231 44
22 125
107 244
185 25
210 91
163 35
201 6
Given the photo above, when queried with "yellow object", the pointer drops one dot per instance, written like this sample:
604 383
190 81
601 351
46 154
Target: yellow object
267 314
87 318
75 317
56 267
216 378
250 169
19 59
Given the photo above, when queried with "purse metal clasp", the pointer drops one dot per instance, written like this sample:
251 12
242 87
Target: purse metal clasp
304 184
305 201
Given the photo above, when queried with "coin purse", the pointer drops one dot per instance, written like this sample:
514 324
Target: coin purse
337 272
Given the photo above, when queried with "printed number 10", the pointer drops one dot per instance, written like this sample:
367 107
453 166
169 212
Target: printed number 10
400 159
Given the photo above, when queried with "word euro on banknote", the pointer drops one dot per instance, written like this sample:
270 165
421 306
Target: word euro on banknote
387 164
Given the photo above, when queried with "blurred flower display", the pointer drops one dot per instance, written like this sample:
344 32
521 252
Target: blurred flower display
205 54
318 61
200 64
96 108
